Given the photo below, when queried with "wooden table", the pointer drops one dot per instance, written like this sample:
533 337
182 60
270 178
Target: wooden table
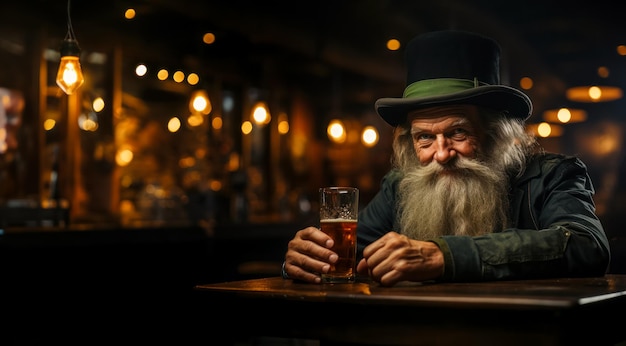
580 311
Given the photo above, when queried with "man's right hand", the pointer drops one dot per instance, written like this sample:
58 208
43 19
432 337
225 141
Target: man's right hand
308 255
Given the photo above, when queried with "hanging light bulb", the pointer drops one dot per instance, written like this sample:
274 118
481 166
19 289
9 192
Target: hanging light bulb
70 75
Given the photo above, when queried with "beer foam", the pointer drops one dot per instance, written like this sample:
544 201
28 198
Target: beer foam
336 220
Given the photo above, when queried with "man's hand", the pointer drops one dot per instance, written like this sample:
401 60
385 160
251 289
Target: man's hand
395 257
308 255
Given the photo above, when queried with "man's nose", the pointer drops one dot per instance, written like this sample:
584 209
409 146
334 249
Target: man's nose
445 152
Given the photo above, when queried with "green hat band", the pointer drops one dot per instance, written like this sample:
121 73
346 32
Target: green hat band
442 86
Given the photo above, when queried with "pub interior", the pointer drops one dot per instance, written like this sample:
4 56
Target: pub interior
194 148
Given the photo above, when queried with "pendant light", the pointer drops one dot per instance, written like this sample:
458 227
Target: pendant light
70 75
565 115
594 93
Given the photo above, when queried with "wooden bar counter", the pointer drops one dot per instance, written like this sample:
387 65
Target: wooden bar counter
566 311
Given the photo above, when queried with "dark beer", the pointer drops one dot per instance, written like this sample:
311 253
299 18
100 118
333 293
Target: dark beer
343 233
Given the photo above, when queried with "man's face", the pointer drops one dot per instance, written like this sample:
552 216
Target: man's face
449 140
443 133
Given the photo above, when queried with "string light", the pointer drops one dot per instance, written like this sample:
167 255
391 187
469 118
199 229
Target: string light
70 75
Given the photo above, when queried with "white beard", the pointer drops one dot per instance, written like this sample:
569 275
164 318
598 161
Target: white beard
464 198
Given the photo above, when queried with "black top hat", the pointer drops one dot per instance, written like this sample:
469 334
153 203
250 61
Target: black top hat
453 67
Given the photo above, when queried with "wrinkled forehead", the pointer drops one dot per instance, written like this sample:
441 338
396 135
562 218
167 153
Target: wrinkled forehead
467 111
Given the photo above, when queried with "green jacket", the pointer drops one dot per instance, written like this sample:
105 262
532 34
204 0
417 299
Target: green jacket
556 232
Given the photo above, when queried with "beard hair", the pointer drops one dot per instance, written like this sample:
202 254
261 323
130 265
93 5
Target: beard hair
465 197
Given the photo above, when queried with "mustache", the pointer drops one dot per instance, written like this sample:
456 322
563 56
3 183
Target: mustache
460 166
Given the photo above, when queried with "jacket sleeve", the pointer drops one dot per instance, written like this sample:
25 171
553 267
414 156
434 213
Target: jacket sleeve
566 237
378 217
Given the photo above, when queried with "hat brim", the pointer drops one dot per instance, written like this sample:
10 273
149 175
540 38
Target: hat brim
498 97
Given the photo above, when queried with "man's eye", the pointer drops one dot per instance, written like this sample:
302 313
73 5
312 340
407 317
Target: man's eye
422 137
459 132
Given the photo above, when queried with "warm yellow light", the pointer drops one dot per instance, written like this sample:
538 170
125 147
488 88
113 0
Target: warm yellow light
283 127
215 185
3 144
234 162
141 70
70 76
200 102
187 162
173 124
193 79
98 104
369 136
526 83
130 13
208 38
200 153
603 71
88 121
565 115
195 120
336 131
217 123
49 124
162 74
246 127
124 157
283 123
393 44
178 76
261 113
545 130
594 93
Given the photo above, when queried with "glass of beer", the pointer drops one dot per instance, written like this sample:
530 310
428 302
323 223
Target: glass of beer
339 207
